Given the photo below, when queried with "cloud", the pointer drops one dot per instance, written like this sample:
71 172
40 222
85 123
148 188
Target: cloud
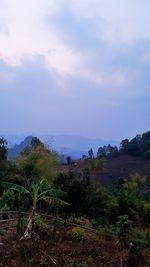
79 67
117 21
30 36
72 36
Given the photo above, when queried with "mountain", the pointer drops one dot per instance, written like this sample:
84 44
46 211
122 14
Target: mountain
69 145
17 149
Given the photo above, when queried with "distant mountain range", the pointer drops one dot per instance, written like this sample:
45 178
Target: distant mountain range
68 145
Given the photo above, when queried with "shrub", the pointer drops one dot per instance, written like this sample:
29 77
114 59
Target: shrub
124 226
40 225
78 233
8 197
95 223
6 212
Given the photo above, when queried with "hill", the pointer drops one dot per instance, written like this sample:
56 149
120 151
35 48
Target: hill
123 167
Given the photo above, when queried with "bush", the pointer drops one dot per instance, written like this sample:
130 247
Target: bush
6 212
78 233
124 226
8 197
99 223
40 225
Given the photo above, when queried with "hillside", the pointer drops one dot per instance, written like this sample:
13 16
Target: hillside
123 167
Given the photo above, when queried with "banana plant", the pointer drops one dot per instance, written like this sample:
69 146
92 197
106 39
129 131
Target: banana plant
36 193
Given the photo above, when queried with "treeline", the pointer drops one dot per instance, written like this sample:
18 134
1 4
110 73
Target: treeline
138 146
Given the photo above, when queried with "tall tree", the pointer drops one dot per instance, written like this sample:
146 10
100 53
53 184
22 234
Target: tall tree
3 149
37 162
91 153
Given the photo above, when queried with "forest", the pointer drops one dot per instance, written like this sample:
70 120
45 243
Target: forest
56 212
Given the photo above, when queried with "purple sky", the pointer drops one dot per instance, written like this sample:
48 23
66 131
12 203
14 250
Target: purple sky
75 67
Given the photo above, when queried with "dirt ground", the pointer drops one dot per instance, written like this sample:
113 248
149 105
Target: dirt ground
62 250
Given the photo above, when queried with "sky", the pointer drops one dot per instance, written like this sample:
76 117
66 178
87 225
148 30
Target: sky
78 67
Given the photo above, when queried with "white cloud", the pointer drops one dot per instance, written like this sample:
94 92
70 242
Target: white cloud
28 34
117 20
24 32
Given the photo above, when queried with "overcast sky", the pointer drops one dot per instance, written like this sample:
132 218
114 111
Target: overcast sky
78 67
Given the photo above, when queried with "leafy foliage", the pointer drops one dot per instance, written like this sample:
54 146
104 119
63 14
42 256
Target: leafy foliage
124 226
78 233
6 212
138 146
40 225
3 149
15 187
8 197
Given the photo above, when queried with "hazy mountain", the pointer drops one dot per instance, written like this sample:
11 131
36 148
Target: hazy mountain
13 152
14 139
74 146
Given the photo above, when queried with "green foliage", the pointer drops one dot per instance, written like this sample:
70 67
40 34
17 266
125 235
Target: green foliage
6 212
40 225
138 146
8 197
140 237
96 164
77 220
37 161
15 187
100 203
103 229
132 200
3 149
124 226
37 193
78 233
95 223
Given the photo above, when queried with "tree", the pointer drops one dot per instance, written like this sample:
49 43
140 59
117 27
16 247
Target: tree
107 151
68 160
36 142
124 145
91 153
37 162
3 149
101 152
36 194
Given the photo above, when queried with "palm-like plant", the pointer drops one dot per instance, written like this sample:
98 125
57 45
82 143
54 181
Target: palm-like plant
37 193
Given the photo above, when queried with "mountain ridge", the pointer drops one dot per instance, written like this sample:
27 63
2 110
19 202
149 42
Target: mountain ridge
69 145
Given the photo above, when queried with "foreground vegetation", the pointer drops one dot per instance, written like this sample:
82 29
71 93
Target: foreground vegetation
99 226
